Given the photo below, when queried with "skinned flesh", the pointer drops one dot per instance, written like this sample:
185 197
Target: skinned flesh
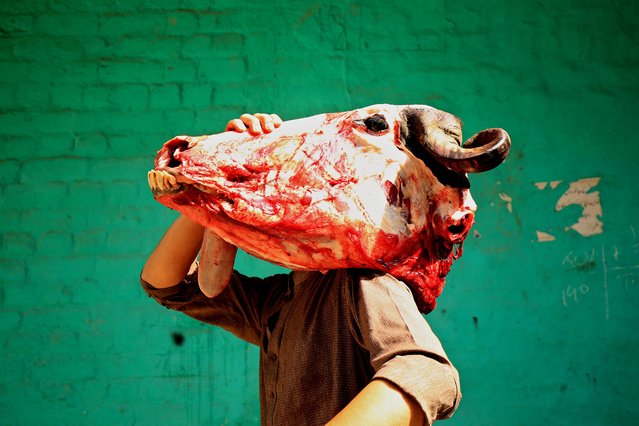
324 192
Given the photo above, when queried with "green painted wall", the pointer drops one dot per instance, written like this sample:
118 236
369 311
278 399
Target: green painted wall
540 319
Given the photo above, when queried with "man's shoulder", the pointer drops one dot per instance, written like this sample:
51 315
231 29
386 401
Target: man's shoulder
375 286
375 277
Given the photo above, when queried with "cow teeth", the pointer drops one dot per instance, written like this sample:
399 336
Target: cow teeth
159 178
168 181
150 176
162 181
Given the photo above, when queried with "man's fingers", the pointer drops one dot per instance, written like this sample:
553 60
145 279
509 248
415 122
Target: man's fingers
235 125
277 121
267 122
253 124
256 124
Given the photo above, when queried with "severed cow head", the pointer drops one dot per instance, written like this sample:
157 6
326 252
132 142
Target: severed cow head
382 187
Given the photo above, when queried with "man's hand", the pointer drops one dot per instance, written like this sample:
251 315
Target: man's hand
256 124
380 403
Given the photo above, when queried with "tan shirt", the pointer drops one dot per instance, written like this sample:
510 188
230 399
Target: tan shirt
324 337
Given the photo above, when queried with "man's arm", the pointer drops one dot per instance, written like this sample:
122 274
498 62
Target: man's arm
217 259
380 403
173 257
405 353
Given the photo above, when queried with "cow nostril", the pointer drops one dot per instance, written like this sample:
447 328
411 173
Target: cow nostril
459 226
171 150
177 149
456 229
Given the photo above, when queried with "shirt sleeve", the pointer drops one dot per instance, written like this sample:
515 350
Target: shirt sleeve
239 309
403 348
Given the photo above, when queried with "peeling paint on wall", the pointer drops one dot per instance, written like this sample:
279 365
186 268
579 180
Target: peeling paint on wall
553 184
509 201
578 193
543 237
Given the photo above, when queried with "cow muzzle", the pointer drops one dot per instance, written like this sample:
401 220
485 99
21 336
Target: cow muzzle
452 224
166 178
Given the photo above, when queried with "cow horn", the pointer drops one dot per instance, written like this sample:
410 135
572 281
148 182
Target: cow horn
484 151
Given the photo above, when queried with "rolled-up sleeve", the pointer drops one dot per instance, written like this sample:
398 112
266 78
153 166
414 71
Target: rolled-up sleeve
403 348
238 309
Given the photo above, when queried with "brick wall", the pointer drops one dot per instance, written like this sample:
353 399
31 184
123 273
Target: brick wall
90 89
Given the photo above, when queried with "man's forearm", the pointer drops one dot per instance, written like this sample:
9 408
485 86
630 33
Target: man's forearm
171 260
380 403
216 264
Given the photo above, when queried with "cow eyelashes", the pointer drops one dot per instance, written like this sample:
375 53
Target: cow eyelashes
375 124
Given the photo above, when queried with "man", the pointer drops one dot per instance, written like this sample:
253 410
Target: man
347 347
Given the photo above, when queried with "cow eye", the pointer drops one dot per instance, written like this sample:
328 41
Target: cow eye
375 123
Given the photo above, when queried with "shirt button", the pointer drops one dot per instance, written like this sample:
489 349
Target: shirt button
272 357
271 394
